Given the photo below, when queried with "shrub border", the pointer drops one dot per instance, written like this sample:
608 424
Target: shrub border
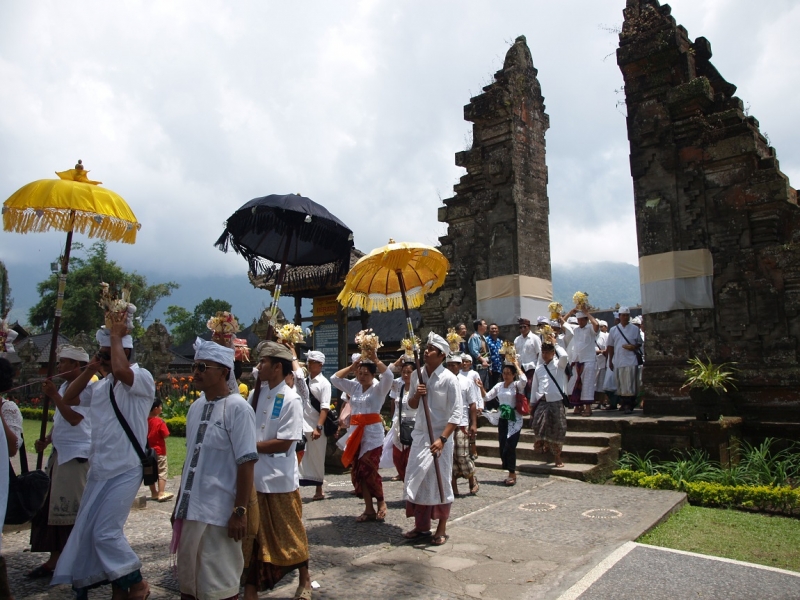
765 498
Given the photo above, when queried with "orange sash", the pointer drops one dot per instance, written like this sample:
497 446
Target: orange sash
354 441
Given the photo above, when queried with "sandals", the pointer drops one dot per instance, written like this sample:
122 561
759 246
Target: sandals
510 481
474 489
302 593
165 498
40 572
380 516
414 534
317 497
440 540
365 517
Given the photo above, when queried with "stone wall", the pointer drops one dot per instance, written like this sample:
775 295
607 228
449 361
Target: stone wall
498 218
706 180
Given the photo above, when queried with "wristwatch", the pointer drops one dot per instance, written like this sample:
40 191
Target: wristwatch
240 511
444 439
319 427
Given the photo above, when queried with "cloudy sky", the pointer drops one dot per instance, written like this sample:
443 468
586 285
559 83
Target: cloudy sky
190 109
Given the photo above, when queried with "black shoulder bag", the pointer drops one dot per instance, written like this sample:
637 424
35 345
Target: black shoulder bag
564 397
406 424
637 352
146 456
27 491
331 425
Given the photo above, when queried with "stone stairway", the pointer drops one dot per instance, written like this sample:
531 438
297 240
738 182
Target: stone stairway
590 450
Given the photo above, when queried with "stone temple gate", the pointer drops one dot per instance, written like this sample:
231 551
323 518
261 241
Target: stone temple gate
717 222
498 239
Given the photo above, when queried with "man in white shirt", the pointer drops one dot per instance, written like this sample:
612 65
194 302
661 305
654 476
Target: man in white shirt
217 480
624 352
600 344
281 545
315 392
463 465
423 500
97 551
528 347
549 421
68 465
583 356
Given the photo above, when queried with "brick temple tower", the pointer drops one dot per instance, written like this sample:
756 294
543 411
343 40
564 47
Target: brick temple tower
717 222
498 239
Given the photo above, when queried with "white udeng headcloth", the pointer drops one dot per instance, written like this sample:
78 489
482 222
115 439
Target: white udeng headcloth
317 356
439 342
74 353
103 338
207 350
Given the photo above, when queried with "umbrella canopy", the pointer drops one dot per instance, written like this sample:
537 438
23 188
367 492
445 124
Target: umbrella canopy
71 203
372 283
286 228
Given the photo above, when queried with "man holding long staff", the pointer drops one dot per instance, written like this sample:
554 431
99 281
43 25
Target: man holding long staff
443 392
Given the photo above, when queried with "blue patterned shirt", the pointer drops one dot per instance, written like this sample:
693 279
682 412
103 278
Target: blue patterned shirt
494 353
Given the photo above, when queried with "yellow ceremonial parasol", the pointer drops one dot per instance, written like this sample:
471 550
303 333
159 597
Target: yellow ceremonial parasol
395 276
71 203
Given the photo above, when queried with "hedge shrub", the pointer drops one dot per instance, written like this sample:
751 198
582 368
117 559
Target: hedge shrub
35 414
176 426
766 498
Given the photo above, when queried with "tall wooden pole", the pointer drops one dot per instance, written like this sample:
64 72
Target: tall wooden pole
51 363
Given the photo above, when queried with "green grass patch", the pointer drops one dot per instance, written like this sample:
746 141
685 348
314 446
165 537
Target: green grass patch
176 446
756 538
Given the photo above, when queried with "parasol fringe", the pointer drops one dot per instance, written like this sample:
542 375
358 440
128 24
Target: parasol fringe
384 303
104 227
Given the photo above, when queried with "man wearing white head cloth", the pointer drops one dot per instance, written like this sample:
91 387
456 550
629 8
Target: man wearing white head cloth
97 551
583 356
624 348
315 391
217 480
443 392
68 465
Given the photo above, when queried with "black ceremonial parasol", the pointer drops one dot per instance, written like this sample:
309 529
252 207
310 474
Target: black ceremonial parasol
279 230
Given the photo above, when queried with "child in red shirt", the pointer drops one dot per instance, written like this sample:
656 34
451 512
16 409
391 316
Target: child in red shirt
157 432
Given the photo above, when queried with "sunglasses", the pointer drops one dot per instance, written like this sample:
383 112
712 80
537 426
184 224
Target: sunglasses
200 367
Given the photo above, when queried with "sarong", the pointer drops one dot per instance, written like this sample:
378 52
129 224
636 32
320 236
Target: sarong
97 550
463 466
423 513
312 469
400 459
627 380
51 526
209 562
550 422
281 545
582 384
365 475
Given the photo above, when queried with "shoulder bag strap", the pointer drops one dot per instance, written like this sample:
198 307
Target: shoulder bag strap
637 351
125 426
312 398
553 379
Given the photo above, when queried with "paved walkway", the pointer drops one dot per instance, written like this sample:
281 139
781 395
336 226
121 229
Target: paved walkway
544 538
533 540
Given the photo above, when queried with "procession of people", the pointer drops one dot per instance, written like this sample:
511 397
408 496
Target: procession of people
238 514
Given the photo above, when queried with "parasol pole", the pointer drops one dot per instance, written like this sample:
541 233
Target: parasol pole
51 363
273 312
419 378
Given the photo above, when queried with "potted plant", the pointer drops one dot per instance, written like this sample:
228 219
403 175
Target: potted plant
708 386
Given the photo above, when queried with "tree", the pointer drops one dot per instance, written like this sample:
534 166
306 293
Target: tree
6 303
81 311
185 325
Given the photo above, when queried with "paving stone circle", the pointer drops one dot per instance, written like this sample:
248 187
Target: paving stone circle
602 513
537 506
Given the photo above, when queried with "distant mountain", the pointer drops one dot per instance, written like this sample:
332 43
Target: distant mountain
607 283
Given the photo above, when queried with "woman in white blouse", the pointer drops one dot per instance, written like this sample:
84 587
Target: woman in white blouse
365 434
510 424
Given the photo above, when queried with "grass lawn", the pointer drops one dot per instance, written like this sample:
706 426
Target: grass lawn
751 537
176 446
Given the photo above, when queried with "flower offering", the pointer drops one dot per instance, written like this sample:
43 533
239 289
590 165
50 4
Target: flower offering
223 326
453 339
555 309
112 303
409 345
290 333
368 342
581 300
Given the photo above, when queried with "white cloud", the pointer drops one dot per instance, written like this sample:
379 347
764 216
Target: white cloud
191 109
